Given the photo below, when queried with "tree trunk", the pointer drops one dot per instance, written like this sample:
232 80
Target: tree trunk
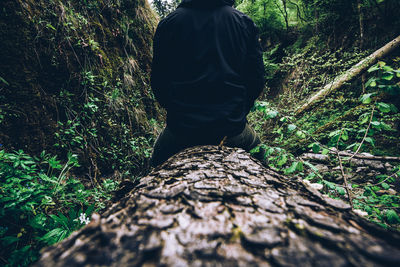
211 207
285 14
352 73
361 22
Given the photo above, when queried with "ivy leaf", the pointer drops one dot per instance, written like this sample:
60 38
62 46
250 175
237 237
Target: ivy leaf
383 107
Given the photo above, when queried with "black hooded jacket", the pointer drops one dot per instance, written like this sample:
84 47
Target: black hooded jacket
207 68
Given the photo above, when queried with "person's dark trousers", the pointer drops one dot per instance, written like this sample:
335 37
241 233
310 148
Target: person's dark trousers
168 143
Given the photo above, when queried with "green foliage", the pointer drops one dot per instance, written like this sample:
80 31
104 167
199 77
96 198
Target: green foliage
164 7
266 14
41 204
374 117
84 85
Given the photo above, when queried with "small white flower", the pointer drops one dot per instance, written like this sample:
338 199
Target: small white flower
83 219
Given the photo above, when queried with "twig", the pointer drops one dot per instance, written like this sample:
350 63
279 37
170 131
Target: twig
366 132
372 157
387 178
342 171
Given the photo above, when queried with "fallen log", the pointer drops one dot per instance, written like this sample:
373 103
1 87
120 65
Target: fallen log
349 75
211 207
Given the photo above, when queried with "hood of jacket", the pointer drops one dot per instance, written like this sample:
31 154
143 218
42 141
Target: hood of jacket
206 3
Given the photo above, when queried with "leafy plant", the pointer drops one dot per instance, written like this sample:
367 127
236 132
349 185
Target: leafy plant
41 204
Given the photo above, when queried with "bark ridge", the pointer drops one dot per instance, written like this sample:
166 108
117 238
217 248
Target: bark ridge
220 207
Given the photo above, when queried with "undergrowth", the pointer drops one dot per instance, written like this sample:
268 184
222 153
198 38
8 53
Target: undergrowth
347 124
41 203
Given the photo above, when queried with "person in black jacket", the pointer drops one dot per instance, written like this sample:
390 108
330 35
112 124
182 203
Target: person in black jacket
207 71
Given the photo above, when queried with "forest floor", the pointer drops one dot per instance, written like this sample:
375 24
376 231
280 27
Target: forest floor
348 145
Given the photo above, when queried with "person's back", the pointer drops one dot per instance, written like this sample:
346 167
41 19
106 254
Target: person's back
207 69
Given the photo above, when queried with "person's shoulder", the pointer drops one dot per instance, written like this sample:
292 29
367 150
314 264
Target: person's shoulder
170 17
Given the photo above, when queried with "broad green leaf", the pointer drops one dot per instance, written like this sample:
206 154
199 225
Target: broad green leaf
340 190
291 127
376 125
299 166
300 134
381 63
296 166
366 98
325 151
387 69
330 185
345 136
38 222
374 68
282 160
371 82
393 108
385 186
370 140
271 114
383 107
364 118
386 126
316 148
387 76
354 145
376 188
336 132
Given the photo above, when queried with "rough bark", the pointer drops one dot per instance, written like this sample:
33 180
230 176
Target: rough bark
349 75
211 207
